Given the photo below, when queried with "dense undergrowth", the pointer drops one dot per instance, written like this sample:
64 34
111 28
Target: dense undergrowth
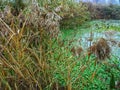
103 68
34 55
99 11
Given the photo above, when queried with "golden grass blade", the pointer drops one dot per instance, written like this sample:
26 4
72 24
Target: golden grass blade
11 57
7 26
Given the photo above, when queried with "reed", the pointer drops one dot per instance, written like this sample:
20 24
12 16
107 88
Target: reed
33 55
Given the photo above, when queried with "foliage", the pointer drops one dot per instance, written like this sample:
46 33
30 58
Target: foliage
75 15
2 4
17 6
26 57
104 11
64 8
105 77
72 13
31 59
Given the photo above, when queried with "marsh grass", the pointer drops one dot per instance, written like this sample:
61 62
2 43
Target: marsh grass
30 59
48 64
97 71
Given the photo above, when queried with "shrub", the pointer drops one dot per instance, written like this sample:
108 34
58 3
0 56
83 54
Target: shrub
28 57
104 11
74 16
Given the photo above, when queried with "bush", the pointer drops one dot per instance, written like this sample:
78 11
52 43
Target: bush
74 16
28 54
3 4
104 12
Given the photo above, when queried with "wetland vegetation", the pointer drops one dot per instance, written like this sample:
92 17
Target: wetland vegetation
59 45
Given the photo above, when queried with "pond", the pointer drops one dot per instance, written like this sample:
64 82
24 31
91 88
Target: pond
112 37
108 29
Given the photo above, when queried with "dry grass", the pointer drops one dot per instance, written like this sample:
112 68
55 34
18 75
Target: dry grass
30 58
101 49
26 50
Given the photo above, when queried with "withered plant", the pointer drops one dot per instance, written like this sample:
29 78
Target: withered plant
101 49
76 51
26 48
